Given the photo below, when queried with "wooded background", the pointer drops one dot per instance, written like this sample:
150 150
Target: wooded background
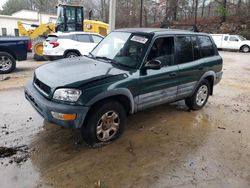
154 12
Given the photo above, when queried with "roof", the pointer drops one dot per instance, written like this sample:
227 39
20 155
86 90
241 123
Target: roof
33 11
18 18
157 31
73 33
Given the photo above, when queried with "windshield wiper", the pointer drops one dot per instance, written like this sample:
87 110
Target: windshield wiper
106 59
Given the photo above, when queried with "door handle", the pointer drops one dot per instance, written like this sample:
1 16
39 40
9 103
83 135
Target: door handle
173 74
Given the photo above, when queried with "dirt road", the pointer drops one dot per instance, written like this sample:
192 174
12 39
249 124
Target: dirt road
166 146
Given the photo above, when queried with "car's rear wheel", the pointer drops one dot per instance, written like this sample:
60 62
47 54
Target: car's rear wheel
104 124
245 49
71 55
7 63
200 96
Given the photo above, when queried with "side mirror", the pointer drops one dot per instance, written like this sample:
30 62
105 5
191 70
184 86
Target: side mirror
153 64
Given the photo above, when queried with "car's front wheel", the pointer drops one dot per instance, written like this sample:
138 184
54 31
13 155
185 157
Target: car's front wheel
7 63
105 123
200 96
245 49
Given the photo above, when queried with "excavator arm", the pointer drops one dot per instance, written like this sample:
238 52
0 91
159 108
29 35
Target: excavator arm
22 30
40 30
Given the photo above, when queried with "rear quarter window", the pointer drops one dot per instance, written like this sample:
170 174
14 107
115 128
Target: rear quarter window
206 46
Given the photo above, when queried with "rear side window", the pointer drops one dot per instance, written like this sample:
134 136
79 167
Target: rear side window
66 37
196 49
83 38
184 49
225 38
206 46
96 38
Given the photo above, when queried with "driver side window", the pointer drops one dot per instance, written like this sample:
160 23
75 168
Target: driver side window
163 50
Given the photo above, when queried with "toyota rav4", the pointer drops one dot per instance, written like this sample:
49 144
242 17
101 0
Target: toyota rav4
128 71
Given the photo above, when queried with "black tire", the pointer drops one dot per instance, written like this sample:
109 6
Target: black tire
4 59
192 102
89 129
71 55
245 49
39 58
35 42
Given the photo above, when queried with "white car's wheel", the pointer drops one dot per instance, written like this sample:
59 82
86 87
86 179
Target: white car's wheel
245 49
71 55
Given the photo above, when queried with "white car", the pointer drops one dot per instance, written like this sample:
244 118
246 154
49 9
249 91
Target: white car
68 45
231 42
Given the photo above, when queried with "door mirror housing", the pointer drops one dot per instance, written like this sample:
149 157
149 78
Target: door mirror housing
153 64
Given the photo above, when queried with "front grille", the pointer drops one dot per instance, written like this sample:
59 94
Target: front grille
43 88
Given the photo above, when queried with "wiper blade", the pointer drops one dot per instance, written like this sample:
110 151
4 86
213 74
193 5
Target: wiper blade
106 59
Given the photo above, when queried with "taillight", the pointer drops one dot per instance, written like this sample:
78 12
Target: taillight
29 45
55 44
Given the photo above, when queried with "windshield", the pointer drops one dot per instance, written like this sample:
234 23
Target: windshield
123 48
60 16
241 38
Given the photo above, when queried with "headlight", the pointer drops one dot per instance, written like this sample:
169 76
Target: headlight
69 95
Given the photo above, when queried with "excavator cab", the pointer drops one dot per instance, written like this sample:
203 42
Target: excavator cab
69 18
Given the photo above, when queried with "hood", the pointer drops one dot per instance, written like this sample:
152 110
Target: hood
75 72
247 42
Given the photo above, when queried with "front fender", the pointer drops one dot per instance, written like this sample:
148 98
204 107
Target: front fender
114 92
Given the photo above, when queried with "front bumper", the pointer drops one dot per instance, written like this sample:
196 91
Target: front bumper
44 107
218 77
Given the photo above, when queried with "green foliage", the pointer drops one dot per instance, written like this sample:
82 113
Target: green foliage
221 11
12 6
245 33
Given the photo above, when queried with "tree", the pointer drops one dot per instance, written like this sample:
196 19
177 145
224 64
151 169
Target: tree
12 6
222 10
203 7
239 6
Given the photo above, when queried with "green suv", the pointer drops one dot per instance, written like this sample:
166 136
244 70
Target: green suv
128 71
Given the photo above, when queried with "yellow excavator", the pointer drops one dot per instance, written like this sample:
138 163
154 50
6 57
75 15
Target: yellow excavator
37 36
69 18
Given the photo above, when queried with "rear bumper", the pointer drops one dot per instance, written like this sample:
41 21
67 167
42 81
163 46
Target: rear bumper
53 57
218 77
44 107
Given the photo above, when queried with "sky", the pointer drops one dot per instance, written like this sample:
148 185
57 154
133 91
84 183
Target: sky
2 3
